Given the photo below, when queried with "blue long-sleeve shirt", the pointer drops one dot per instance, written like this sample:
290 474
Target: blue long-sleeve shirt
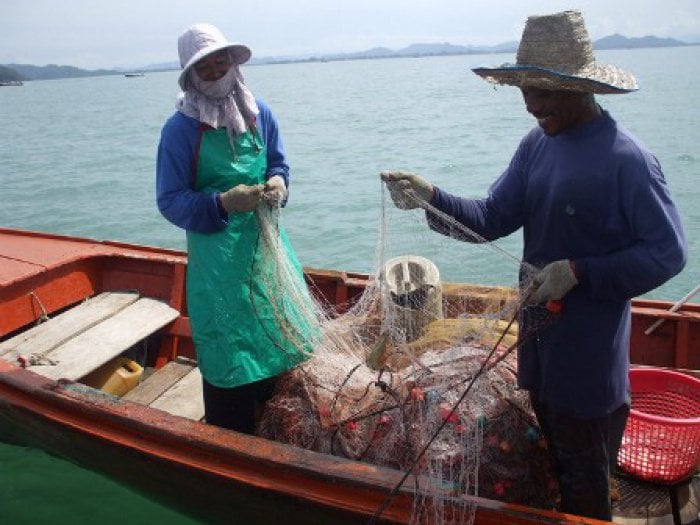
595 195
176 166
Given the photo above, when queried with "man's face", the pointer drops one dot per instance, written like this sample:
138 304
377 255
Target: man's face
557 111
213 67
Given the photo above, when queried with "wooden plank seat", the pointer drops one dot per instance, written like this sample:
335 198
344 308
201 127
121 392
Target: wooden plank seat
175 388
81 339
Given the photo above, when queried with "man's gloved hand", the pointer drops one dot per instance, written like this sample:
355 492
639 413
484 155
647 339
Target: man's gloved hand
242 198
407 190
275 191
553 281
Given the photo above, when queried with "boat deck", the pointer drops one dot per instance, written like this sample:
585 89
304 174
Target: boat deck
175 388
649 504
107 324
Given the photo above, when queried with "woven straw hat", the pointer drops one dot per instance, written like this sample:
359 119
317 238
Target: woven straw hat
556 53
201 40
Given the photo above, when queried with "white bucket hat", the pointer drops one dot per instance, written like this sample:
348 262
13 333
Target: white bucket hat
201 40
555 53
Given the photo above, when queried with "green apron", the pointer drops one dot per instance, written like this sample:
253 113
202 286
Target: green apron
242 332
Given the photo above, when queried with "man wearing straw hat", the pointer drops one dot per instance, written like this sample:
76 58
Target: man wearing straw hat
599 226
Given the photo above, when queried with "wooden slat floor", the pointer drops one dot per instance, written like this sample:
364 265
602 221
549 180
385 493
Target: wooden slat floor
81 339
176 388
645 504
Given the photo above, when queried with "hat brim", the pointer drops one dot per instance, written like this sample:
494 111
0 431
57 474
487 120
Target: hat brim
239 54
603 80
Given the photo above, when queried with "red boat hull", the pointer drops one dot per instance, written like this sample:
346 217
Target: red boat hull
202 470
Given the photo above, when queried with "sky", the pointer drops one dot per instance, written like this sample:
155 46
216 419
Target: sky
95 34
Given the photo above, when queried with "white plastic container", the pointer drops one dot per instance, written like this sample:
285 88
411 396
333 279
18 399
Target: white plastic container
413 294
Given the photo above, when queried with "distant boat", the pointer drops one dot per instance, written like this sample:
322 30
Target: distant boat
129 75
11 83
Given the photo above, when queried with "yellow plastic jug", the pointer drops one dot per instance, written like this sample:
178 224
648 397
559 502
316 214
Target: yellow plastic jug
116 377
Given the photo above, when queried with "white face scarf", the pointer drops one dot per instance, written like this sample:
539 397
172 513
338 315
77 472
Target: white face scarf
226 102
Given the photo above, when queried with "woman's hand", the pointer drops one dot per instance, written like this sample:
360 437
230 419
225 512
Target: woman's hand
275 191
242 198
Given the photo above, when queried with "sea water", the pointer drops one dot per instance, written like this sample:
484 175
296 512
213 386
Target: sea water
77 157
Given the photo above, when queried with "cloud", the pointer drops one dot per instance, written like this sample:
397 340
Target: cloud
130 33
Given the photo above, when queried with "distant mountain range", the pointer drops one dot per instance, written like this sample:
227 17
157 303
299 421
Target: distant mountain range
616 41
52 71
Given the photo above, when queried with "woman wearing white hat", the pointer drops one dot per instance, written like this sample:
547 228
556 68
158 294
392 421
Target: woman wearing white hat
220 159
598 218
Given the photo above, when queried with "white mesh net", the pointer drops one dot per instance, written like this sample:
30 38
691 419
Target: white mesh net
415 374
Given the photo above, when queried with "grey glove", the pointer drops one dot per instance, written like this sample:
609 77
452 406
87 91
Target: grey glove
242 198
275 191
554 281
407 190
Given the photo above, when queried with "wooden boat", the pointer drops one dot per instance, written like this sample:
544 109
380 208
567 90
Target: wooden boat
98 298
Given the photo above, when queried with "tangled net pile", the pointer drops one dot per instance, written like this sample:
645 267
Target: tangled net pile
416 375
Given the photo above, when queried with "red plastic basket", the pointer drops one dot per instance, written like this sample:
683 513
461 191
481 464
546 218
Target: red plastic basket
661 443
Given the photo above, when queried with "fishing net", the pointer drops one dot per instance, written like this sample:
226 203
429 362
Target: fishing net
416 373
